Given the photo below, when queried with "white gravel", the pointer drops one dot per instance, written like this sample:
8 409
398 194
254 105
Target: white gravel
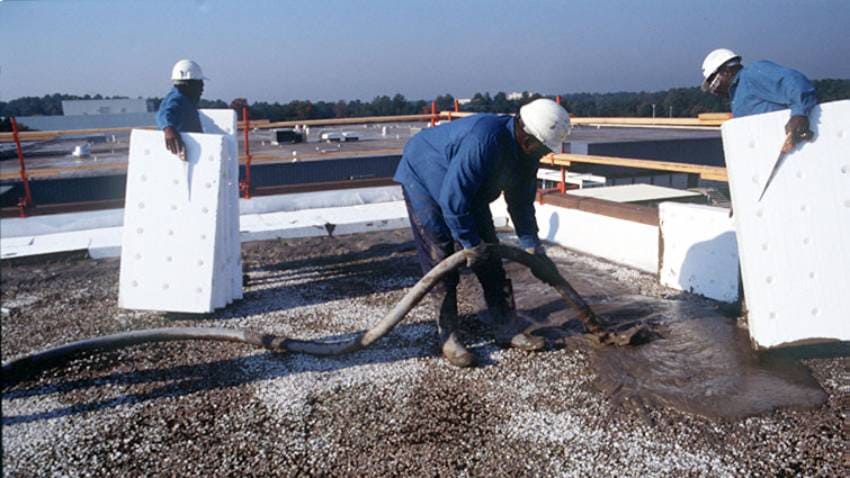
394 409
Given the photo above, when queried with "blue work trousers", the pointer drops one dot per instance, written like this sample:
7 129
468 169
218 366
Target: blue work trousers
434 243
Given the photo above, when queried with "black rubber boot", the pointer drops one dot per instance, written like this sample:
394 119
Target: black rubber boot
451 346
508 328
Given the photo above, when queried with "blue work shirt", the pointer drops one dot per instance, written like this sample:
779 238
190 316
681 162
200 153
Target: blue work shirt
764 86
465 165
179 112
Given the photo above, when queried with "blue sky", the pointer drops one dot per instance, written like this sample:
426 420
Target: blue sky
329 50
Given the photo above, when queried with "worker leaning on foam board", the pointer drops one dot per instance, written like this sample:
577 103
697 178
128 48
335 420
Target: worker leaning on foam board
450 174
178 112
761 87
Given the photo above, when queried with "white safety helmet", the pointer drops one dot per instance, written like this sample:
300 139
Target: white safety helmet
713 61
547 121
187 70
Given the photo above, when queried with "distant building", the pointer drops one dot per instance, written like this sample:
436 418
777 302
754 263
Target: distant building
517 95
92 114
103 107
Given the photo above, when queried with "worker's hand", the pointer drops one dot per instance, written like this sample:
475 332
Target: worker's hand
174 142
476 255
798 130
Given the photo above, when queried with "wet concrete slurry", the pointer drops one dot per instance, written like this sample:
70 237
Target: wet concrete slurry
674 406
701 361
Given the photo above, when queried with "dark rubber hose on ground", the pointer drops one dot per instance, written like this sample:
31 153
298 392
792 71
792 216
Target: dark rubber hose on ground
542 268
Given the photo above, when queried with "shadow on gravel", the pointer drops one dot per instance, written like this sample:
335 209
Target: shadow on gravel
317 280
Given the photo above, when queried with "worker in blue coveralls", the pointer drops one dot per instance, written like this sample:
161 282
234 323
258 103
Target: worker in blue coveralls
178 112
761 87
449 175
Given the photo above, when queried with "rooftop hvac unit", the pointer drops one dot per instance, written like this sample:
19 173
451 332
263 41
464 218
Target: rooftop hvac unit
335 137
286 136
82 151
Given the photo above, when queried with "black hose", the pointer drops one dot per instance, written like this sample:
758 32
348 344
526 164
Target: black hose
542 268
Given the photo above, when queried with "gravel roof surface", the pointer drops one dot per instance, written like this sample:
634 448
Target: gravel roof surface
394 409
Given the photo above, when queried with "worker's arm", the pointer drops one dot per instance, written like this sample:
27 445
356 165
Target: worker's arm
464 177
797 130
789 88
167 119
767 81
479 255
174 143
520 200
800 95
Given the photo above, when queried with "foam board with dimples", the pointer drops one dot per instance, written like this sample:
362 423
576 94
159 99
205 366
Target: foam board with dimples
214 122
170 223
794 244
223 121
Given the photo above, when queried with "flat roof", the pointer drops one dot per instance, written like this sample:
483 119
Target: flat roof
633 193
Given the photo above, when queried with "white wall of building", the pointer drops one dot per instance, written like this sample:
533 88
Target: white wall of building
104 107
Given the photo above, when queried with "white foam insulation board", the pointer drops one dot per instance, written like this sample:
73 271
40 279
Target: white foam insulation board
180 246
229 258
794 243
618 240
699 250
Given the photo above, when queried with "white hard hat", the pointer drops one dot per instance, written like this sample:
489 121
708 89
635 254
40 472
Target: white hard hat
547 121
187 70
715 60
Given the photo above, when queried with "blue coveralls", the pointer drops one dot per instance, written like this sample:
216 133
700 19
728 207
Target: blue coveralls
450 174
179 112
764 86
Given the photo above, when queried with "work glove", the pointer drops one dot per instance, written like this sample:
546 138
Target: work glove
797 130
476 255
174 142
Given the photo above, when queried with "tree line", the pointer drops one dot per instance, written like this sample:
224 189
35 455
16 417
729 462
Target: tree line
675 102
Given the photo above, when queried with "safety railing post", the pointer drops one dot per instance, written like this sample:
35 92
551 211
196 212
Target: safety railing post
245 184
433 113
558 99
25 201
562 187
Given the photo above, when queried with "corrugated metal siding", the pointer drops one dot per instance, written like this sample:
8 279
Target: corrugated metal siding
707 151
282 174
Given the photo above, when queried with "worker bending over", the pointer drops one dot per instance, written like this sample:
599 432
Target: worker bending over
450 174
761 87
178 112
